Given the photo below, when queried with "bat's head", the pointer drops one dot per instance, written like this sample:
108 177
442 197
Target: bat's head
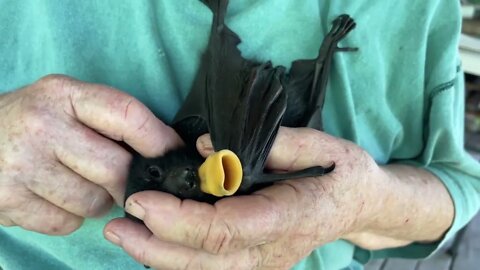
174 173
187 175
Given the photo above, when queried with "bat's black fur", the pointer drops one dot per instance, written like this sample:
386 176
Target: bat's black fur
242 104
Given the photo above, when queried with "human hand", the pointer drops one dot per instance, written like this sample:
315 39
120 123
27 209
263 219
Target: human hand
272 228
59 159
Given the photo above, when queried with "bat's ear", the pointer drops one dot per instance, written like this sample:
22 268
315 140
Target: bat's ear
221 174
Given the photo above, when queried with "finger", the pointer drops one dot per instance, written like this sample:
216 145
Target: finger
294 149
300 148
229 225
39 215
68 190
145 248
204 145
121 117
94 157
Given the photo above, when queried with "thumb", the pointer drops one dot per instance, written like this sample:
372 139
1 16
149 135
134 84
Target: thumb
300 148
293 149
120 117
204 145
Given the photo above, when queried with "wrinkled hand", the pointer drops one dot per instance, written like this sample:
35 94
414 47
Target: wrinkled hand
272 228
59 161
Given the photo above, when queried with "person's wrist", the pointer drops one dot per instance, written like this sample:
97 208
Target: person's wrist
373 227
372 198
354 209
356 213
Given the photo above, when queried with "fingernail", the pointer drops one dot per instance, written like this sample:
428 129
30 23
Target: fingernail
112 237
135 209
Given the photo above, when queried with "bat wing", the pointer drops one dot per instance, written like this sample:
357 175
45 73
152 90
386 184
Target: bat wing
218 78
307 81
239 102
249 125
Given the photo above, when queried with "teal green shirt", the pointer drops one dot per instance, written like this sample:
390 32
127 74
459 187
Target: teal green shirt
400 97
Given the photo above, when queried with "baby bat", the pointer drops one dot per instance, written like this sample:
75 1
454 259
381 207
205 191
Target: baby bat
242 104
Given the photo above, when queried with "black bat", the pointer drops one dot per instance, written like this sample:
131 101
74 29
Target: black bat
242 104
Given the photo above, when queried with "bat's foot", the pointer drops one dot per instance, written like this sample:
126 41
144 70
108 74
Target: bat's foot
342 25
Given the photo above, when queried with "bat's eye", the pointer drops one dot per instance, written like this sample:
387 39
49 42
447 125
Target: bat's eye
154 172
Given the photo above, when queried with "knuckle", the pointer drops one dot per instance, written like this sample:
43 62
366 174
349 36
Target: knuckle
219 238
65 226
137 114
56 224
143 254
64 223
51 87
53 81
37 215
101 202
13 195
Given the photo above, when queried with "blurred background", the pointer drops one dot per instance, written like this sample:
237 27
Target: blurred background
470 54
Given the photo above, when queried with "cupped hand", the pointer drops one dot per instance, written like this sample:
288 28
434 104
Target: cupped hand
273 228
59 156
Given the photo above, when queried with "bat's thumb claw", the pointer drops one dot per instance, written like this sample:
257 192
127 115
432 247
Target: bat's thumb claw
221 174
346 49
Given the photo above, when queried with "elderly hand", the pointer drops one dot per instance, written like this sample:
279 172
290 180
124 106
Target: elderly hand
59 161
272 228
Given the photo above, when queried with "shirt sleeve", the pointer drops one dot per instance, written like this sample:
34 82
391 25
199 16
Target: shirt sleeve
443 153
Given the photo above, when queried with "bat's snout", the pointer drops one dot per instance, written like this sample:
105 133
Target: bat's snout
221 173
